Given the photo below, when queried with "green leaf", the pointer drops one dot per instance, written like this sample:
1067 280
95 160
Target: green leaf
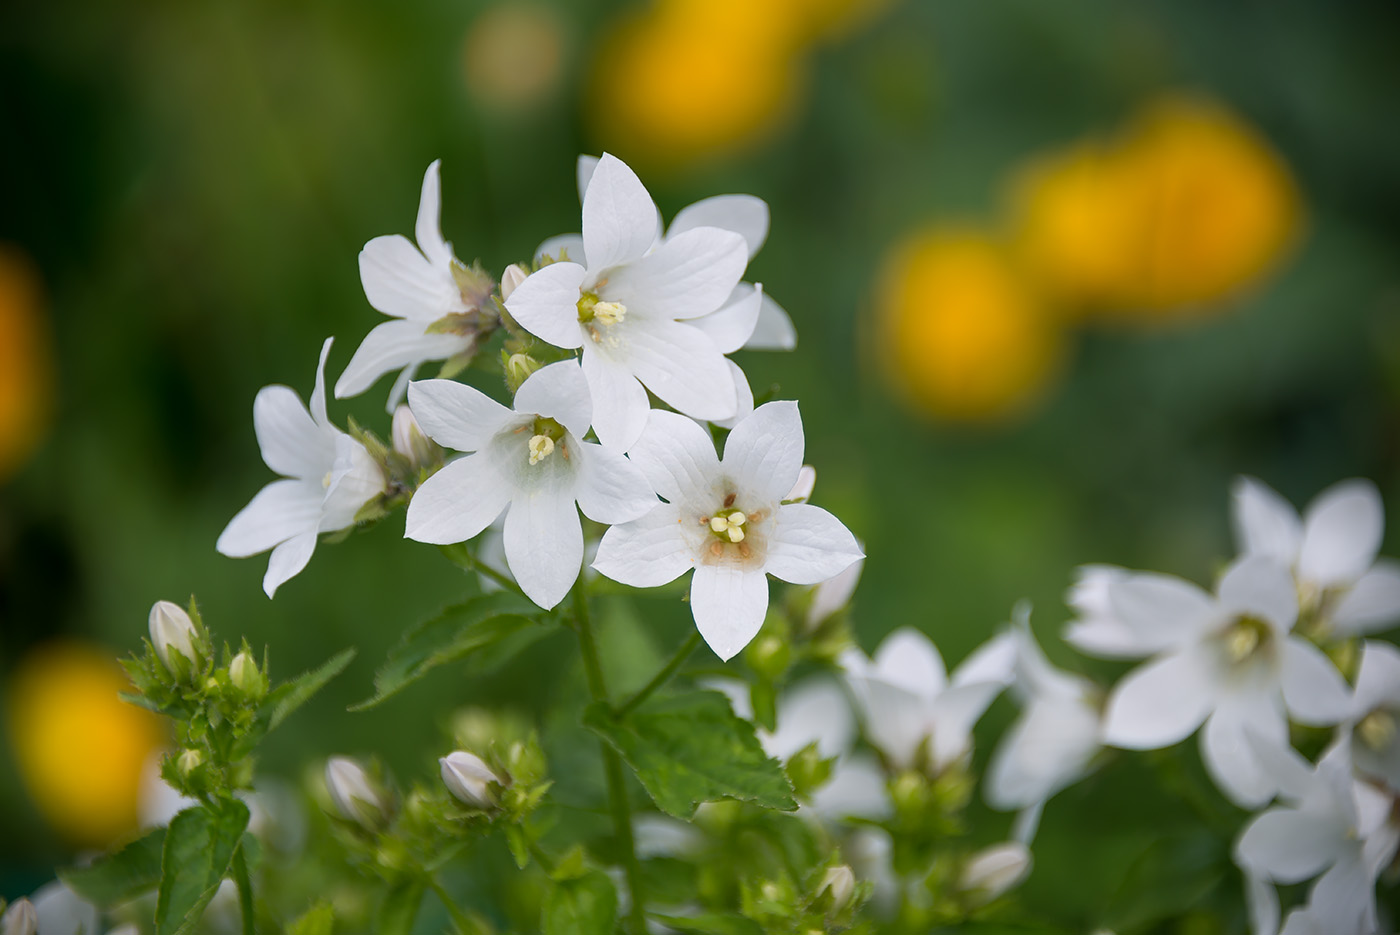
492 627
1173 875
586 905
290 695
199 846
116 878
400 908
318 920
690 748
712 924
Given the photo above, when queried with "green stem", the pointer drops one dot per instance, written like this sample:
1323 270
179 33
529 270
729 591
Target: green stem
664 676
460 919
462 557
612 765
245 888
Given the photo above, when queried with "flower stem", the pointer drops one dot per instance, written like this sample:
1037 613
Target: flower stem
664 676
245 888
612 766
462 557
460 919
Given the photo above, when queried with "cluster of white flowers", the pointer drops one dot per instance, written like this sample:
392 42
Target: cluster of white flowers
630 307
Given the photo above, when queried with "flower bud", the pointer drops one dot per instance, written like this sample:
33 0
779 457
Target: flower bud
172 630
243 673
469 779
994 870
189 761
354 796
20 919
514 275
411 441
769 655
518 369
839 884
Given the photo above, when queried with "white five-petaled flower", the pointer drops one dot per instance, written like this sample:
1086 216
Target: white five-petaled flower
632 308
327 477
1230 661
416 286
1331 550
531 459
1375 714
726 520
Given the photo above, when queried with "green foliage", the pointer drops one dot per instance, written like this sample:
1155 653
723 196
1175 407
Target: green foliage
712 924
690 748
291 695
581 905
399 908
318 920
118 877
198 850
1172 875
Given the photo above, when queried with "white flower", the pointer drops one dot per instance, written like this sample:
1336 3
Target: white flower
328 476
1097 631
909 705
416 286
1329 825
840 883
355 797
60 911
726 520
19 919
631 309
1375 714
833 595
1229 661
994 870
469 779
1331 550
172 630
530 459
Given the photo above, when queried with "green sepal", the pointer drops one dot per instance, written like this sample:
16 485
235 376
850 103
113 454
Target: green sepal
586 905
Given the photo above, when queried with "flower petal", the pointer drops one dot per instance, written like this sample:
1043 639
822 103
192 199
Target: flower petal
1313 689
546 304
565 247
647 552
1228 751
908 659
292 444
611 489
764 452
1105 638
812 711
1162 611
1286 845
896 720
1341 534
729 604
394 345
808 545
1048 748
455 415
681 365
952 716
856 789
399 281
1373 603
583 172
774 330
688 276
544 544
743 395
1264 522
1344 898
993 661
620 221
745 215
427 230
1260 586
287 559
559 391
1378 679
459 501
620 403
281 510
354 480
317 403
678 459
733 323
1160 702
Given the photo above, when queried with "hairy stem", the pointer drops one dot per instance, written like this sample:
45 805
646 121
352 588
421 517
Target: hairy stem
245 889
664 676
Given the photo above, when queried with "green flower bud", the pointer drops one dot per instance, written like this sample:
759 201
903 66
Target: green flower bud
188 762
243 673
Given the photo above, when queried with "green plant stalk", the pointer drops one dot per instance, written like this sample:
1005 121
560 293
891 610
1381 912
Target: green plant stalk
245 889
612 766
662 677
460 919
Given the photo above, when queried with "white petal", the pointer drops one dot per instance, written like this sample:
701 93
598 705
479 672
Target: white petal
856 789
394 345
802 488
1341 534
733 323
908 659
1373 603
952 716
559 391
1162 610
896 720
317 404
287 559
729 604
1262 900
292 444
459 501
1378 679
680 364
812 711
1301 921
774 330
1229 753
611 489
566 247
764 452
1106 638
1091 595
1027 823
1313 689
62 912
993 661
834 593
544 544
1047 748
428 229
808 545
281 510
455 415
743 395
1264 522
1160 702
686 277
1286 845
1344 898
399 389
400 281
583 172
354 480
620 221
646 552
1260 586
1292 775
620 404
745 215
678 458
546 304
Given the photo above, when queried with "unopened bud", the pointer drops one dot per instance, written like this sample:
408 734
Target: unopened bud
243 673
518 369
20 919
354 796
189 761
172 630
514 275
769 656
995 870
411 441
839 884
469 779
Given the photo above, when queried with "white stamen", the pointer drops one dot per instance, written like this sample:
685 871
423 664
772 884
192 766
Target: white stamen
541 447
730 526
609 313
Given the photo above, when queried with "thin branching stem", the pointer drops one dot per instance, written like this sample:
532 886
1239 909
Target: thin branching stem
665 675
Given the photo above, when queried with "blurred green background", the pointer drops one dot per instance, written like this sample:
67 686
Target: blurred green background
188 185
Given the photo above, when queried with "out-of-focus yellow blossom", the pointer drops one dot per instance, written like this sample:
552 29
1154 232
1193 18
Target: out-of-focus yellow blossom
823 20
1189 207
513 55
80 749
26 362
961 337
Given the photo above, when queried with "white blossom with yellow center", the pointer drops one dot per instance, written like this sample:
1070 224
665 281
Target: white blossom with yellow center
1375 710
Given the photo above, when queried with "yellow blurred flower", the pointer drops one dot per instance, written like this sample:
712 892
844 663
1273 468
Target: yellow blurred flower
1186 209
80 749
513 55
960 336
26 361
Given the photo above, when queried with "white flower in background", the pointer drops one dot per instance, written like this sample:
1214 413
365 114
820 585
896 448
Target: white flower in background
833 595
353 794
19 918
328 477
530 459
1098 631
469 779
631 309
1328 824
1375 714
994 870
60 911
1051 744
417 287
1331 549
909 705
1230 661
726 520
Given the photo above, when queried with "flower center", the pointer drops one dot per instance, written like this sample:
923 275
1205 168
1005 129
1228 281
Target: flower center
1244 637
1377 729
541 447
591 308
729 526
542 443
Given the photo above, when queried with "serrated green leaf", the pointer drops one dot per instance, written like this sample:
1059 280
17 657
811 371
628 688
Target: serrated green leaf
712 924
586 905
116 878
493 625
290 695
400 908
519 845
318 920
690 748
198 849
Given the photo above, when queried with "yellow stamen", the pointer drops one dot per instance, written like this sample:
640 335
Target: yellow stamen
541 447
1377 729
609 313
